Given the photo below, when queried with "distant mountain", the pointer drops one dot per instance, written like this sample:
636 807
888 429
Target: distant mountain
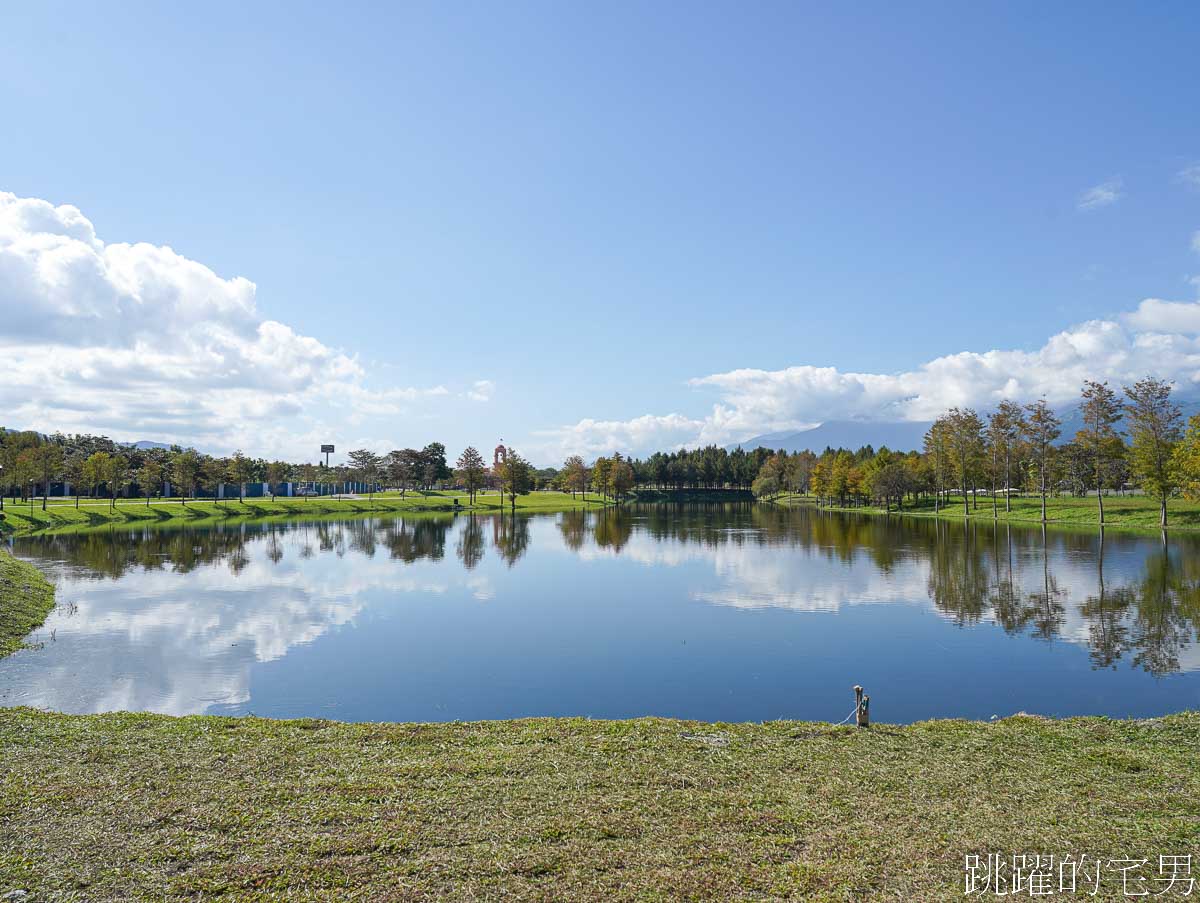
898 435
146 445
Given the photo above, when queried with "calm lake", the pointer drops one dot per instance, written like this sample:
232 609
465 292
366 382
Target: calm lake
718 612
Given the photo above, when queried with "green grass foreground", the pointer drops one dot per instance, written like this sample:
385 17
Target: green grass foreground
1123 513
62 515
152 807
26 597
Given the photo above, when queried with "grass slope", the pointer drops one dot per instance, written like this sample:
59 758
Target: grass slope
21 519
153 807
1126 513
26 597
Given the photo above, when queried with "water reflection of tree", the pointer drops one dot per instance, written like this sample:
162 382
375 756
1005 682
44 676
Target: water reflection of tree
573 525
471 542
413 540
613 527
510 537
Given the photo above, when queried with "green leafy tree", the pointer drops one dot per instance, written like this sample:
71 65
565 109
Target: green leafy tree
116 474
212 476
600 471
48 460
576 475
937 445
1155 428
366 465
185 472
95 470
1042 427
1004 431
277 472
239 472
964 435
1099 440
516 477
471 471
150 477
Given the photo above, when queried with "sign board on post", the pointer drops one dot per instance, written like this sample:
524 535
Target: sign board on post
327 450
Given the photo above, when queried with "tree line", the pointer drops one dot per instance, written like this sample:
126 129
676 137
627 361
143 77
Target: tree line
1137 439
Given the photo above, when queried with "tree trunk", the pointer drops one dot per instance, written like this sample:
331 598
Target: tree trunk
1163 511
1043 481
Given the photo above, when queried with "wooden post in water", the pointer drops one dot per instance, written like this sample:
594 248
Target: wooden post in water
862 708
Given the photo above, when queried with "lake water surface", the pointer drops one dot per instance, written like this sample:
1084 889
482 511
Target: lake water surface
720 612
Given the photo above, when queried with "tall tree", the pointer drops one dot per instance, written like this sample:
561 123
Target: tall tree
366 466
936 445
212 476
149 477
576 475
95 470
600 472
1042 427
516 478
117 476
1155 428
620 476
471 470
277 472
48 458
185 471
1098 438
965 444
1005 429
239 472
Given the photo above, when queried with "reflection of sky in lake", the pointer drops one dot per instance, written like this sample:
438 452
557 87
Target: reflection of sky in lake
709 613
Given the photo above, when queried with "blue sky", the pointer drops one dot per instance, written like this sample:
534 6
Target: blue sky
595 209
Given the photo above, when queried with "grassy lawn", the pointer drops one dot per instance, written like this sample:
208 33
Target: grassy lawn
1127 512
152 807
63 515
26 597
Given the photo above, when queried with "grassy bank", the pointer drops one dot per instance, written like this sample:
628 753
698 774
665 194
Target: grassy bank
63 515
1124 513
26 597
153 807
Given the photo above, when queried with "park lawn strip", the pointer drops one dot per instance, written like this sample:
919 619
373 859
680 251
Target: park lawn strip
1137 513
127 806
26 598
63 516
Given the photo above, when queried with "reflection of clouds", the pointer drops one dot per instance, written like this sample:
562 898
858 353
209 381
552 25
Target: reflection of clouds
142 643
481 588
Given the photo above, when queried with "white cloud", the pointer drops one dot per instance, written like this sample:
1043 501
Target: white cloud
1159 337
592 438
137 341
481 390
1102 195
1190 175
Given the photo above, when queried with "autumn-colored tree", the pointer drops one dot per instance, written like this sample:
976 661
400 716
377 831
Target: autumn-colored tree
576 476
